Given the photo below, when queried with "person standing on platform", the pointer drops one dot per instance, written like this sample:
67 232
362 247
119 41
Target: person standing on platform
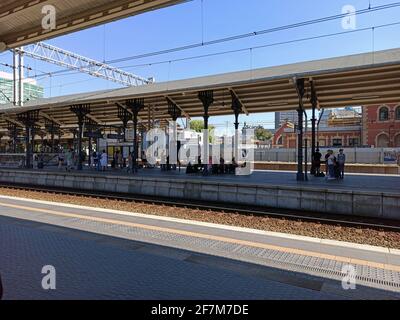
35 161
93 160
120 160
341 160
331 166
326 162
130 163
104 160
60 159
70 158
317 163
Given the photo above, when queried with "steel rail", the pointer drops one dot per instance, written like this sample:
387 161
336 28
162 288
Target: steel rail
214 206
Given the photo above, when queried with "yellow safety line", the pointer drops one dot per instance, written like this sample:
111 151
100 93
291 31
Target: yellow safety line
210 237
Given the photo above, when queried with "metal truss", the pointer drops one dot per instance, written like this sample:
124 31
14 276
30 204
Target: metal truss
63 58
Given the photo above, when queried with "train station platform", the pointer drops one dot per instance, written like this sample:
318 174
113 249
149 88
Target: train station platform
124 255
357 194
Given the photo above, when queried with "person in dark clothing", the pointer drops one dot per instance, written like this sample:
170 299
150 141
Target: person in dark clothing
341 160
326 162
221 165
317 162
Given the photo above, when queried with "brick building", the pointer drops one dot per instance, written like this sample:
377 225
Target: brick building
381 124
343 129
286 137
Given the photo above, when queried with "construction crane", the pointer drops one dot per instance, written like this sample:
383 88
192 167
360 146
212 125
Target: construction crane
48 53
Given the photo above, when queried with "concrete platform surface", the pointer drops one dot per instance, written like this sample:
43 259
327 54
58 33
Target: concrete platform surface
352 181
105 254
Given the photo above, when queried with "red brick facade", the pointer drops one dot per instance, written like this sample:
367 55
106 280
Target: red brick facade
381 124
380 128
285 137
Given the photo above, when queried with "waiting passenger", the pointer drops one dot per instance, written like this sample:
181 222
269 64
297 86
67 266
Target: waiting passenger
120 160
233 166
317 163
130 163
94 160
70 158
341 160
331 166
60 160
326 162
104 161
35 161
222 165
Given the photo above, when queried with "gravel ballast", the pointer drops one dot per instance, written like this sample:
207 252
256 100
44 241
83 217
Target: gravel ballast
390 239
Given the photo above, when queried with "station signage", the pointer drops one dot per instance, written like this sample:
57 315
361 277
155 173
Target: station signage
391 156
95 135
115 136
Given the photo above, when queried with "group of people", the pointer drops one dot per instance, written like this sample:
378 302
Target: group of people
118 161
211 168
334 164
99 160
70 159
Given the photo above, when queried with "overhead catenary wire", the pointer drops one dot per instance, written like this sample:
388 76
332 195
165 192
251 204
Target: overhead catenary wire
262 46
255 33
250 49
370 9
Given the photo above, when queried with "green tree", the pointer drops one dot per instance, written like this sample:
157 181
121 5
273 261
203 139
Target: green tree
260 132
198 126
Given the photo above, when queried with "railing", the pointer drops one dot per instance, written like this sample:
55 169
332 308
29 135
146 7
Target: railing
353 155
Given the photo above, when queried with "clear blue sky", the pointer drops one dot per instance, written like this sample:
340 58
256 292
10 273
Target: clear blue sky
182 24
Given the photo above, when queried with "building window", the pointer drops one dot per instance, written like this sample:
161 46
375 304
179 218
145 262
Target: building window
398 113
337 142
382 141
397 141
383 114
354 142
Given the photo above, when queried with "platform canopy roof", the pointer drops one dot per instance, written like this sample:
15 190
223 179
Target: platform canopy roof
21 20
362 79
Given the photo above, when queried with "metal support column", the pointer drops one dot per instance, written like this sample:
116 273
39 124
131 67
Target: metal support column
207 99
13 131
29 119
52 128
125 116
90 127
300 92
136 105
80 110
237 108
175 112
314 103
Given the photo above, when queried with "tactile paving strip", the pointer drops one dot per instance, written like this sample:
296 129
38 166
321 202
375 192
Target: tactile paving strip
370 276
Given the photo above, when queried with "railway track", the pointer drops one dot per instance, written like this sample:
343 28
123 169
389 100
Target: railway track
354 222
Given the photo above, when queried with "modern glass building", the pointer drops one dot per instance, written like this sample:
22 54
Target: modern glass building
31 90
282 117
